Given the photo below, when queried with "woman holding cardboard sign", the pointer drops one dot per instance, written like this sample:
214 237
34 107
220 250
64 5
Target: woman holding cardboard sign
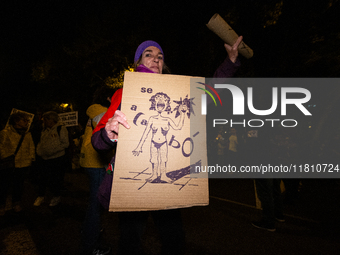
149 58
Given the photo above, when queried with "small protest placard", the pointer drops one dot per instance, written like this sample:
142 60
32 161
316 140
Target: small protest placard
30 117
69 118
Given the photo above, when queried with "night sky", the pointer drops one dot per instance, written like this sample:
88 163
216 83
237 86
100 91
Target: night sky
33 31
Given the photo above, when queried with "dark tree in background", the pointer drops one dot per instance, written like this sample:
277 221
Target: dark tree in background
55 52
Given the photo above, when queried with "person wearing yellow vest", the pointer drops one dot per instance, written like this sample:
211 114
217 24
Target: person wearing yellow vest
95 165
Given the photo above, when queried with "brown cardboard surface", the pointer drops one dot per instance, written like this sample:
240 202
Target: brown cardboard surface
131 189
220 27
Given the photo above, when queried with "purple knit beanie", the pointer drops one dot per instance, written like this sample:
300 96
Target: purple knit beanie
143 46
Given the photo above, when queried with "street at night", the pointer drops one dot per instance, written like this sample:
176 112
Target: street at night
223 227
77 74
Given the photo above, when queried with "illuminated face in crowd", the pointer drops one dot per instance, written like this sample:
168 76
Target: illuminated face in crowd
152 58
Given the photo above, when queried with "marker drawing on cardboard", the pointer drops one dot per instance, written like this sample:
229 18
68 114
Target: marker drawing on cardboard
156 156
159 126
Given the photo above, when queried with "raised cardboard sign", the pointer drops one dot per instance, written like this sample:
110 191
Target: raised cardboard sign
166 140
69 118
30 117
218 25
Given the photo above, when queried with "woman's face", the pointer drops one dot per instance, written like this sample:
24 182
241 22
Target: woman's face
48 123
152 58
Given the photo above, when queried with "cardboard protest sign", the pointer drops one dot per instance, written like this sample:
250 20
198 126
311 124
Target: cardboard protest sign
30 117
218 25
166 140
69 118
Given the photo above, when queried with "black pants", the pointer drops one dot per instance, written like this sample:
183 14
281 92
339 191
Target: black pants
51 174
12 178
269 193
168 222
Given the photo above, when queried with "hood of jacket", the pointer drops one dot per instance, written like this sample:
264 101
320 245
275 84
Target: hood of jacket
95 110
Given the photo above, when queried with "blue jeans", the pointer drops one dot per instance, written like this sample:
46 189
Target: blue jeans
92 224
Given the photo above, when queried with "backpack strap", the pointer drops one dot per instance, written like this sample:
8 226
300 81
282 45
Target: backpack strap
58 130
19 144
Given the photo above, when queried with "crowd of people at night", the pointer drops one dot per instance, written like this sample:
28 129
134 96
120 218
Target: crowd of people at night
49 149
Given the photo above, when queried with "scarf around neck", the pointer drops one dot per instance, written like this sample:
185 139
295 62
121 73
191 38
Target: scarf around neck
143 69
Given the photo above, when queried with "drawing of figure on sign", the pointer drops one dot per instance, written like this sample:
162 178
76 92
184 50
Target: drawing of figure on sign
159 126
